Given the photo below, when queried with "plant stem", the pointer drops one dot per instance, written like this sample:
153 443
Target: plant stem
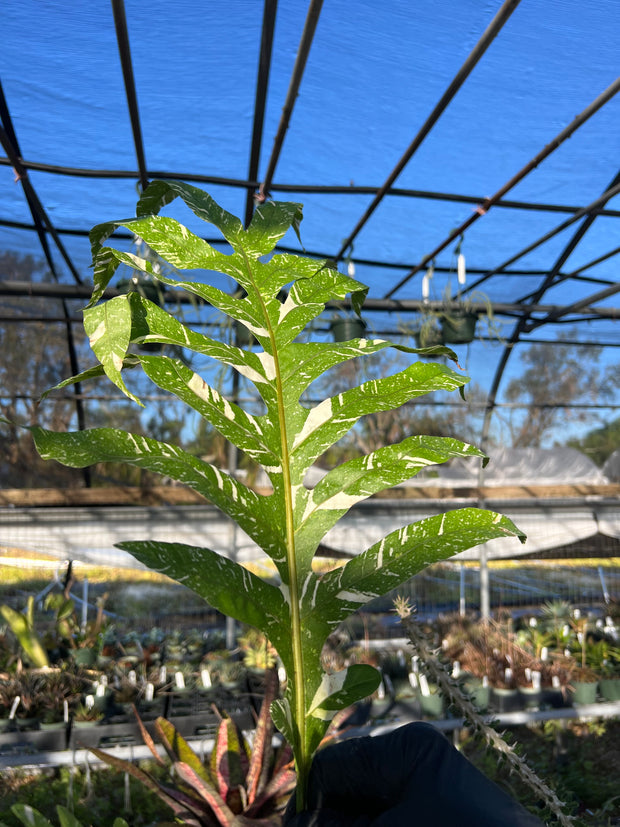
299 691
300 751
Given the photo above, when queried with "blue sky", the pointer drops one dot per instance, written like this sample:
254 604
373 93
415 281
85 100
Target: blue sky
374 73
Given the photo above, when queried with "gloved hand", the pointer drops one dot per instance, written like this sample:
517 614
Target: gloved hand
410 777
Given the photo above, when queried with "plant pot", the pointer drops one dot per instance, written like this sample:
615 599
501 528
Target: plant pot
553 698
429 337
403 689
459 329
56 736
584 693
479 693
481 696
530 698
505 700
431 705
343 330
84 657
28 724
34 740
85 734
149 710
610 689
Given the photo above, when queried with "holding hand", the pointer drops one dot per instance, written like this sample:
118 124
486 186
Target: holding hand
410 777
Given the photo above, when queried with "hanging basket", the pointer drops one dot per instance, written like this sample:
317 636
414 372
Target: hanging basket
459 329
429 336
343 330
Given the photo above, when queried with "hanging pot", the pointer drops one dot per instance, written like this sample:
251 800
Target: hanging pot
429 336
459 329
343 330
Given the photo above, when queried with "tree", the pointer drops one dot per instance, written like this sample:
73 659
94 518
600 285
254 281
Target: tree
34 355
599 443
556 379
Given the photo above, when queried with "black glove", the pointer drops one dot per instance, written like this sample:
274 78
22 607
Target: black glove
410 777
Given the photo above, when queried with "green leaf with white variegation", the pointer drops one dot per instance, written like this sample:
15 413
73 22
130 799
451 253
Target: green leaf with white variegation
29 816
269 224
256 515
108 327
282 717
315 285
106 261
66 818
227 586
360 478
401 554
344 688
332 418
276 298
253 435
91 373
160 193
151 324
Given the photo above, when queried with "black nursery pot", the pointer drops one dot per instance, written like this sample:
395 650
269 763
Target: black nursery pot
459 329
343 330
506 700
429 337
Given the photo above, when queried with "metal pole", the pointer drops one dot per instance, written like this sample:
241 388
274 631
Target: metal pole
84 604
606 595
485 601
462 592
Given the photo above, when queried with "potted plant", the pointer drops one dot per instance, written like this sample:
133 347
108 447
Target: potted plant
257 652
346 328
454 320
86 714
427 332
22 626
82 645
584 686
610 683
584 681
430 698
298 615
479 691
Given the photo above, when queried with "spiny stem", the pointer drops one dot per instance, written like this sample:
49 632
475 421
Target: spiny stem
451 689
